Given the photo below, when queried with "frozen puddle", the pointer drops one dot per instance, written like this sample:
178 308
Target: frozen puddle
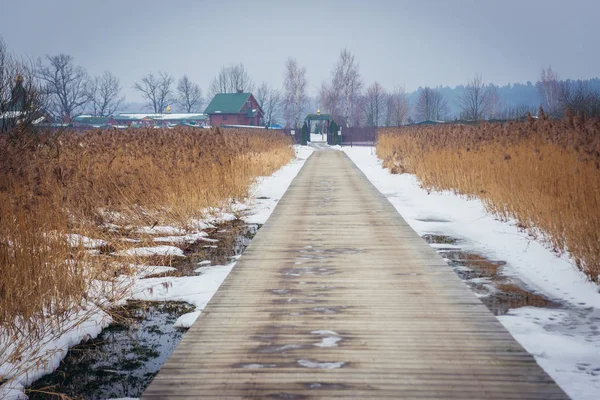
499 293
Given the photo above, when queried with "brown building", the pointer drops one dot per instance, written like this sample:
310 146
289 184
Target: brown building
234 109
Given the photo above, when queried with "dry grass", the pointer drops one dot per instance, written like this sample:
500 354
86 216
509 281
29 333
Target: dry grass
54 184
544 173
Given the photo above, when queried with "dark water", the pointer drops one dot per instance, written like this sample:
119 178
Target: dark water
123 359
226 241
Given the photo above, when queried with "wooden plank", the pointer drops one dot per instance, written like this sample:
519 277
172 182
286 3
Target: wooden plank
337 297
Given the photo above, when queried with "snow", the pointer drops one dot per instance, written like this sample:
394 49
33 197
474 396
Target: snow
329 341
143 271
196 290
152 251
13 391
124 398
564 341
324 333
317 137
76 240
84 325
565 348
189 238
161 230
321 365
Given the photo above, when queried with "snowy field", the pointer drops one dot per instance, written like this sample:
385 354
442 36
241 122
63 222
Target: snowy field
566 340
196 290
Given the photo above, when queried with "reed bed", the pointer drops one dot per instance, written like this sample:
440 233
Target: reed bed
544 173
95 184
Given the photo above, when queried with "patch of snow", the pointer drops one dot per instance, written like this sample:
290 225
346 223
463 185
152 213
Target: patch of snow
84 325
320 365
152 251
188 238
161 230
568 350
444 246
324 333
196 290
12 390
259 366
143 271
201 224
328 341
125 398
76 240
568 354
187 320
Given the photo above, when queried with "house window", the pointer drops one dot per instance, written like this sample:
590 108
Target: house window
248 104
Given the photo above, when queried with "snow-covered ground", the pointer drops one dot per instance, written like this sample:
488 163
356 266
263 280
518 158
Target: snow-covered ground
197 290
564 341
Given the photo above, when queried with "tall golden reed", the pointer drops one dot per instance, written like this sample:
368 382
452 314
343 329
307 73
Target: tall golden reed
53 184
544 173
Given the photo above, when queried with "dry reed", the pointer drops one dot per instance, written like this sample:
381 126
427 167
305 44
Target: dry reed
54 184
544 173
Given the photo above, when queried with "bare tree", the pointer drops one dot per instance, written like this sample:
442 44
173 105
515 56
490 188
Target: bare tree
398 107
189 95
347 83
65 84
331 100
374 104
494 106
549 88
578 97
21 98
295 97
105 95
431 105
474 101
358 115
232 79
157 90
270 100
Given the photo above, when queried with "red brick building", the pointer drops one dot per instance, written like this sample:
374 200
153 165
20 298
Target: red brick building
234 109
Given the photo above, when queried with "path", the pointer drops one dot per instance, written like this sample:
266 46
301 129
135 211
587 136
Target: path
337 297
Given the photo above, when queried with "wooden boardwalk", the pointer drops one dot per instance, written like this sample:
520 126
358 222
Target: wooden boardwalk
337 297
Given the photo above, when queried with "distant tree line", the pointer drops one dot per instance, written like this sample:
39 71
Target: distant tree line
55 85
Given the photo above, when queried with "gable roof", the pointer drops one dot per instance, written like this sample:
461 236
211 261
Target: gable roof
227 103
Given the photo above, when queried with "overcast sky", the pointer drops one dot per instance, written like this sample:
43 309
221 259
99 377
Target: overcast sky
396 42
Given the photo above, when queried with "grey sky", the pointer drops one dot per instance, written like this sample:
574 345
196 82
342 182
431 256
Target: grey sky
410 43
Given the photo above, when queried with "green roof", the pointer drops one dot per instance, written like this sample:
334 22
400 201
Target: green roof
90 120
319 117
227 103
